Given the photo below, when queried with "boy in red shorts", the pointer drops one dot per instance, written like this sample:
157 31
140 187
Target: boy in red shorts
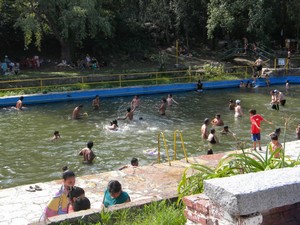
255 120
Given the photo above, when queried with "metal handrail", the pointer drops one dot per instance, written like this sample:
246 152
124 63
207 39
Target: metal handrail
188 75
182 145
166 147
161 134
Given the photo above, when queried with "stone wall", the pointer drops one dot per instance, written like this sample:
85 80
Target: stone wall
199 210
264 198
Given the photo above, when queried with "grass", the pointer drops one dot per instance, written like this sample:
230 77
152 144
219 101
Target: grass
162 213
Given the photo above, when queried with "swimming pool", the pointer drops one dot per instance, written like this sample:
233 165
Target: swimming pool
28 155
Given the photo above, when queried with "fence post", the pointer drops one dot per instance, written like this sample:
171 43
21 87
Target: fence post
41 85
156 78
190 73
82 80
120 80
275 64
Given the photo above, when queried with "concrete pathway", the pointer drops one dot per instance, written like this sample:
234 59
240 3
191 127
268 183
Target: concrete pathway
158 181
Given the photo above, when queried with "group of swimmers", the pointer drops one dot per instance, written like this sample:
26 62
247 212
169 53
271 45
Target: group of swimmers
135 103
255 120
87 152
210 135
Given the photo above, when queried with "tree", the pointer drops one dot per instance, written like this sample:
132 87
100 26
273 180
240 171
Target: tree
70 21
190 18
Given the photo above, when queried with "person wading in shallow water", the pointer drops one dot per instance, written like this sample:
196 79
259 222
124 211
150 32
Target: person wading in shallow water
129 114
19 103
255 120
77 112
204 129
96 102
87 153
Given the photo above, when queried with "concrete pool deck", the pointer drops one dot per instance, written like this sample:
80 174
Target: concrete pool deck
158 181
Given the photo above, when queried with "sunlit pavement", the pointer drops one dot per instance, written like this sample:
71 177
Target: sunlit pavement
158 181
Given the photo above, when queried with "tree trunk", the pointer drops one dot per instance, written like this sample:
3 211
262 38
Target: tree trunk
187 40
65 50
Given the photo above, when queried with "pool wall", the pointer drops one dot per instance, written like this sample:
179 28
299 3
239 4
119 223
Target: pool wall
136 90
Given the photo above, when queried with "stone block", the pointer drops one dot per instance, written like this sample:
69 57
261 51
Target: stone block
255 192
253 219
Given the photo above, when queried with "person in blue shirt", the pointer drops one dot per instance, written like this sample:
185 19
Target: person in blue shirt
114 195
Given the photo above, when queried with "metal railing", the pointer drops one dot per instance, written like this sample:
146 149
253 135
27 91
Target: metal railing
182 145
161 135
122 80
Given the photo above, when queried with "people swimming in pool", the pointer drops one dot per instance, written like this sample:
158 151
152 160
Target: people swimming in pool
298 131
135 102
56 135
129 114
242 85
163 107
77 112
212 138
227 131
113 125
210 152
231 104
238 112
170 100
274 100
204 129
217 121
287 85
87 153
133 163
199 86
19 104
96 102
281 98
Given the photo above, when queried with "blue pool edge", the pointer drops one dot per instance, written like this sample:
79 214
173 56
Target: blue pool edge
137 90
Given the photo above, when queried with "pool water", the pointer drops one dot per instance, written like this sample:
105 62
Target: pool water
28 155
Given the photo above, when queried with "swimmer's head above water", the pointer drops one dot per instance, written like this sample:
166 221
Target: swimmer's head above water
114 122
134 162
90 144
206 121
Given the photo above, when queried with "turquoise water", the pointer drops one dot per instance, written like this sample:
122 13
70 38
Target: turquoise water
28 155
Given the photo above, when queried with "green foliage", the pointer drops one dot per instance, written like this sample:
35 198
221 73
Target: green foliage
161 58
213 70
134 27
233 164
70 21
163 212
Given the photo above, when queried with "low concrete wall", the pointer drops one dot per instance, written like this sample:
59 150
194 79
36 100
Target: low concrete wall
94 216
269 197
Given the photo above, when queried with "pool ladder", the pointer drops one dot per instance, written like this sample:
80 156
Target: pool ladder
162 135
